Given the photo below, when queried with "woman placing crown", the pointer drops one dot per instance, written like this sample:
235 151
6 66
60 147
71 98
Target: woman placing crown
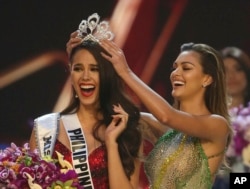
98 132
189 155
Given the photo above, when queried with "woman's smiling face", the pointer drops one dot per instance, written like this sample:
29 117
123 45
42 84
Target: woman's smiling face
235 77
85 77
187 77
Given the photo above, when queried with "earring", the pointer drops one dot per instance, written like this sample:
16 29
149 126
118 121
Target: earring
76 96
203 85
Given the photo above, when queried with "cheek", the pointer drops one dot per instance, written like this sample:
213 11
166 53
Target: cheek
239 78
192 76
242 77
194 80
74 79
96 77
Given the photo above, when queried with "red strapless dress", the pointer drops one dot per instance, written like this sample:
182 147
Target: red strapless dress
98 164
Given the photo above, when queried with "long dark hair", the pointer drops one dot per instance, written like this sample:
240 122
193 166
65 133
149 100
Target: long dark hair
112 92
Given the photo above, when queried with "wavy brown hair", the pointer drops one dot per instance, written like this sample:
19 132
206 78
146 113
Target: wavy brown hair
216 97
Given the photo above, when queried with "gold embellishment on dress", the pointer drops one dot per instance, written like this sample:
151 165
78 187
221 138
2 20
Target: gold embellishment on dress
167 162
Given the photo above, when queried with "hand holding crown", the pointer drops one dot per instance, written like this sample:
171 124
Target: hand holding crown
90 29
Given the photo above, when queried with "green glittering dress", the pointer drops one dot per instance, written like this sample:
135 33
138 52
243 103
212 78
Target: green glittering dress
178 162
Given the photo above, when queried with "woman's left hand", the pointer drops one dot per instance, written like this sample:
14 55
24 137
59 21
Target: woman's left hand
73 41
117 125
116 56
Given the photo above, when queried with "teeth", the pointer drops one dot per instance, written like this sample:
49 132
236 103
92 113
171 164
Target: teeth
178 83
87 86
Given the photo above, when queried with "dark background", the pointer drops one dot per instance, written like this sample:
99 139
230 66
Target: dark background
31 28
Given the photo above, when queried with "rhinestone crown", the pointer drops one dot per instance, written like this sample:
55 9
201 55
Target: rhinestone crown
91 29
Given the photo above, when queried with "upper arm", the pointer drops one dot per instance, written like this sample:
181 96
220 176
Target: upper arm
151 128
134 178
209 127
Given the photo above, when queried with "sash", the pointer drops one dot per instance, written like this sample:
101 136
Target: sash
79 149
46 131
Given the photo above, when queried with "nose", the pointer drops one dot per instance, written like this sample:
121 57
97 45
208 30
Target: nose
176 72
85 75
230 73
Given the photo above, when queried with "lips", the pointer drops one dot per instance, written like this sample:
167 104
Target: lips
87 89
177 83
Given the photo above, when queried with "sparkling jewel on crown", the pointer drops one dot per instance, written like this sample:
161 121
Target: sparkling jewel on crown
91 29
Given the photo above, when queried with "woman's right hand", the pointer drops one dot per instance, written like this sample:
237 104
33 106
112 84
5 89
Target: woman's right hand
74 40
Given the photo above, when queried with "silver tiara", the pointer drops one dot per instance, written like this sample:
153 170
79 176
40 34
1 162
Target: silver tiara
91 29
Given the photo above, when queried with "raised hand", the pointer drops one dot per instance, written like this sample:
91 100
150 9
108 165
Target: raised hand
117 125
116 56
73 42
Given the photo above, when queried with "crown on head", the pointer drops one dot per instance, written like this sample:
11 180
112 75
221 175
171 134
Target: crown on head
91 29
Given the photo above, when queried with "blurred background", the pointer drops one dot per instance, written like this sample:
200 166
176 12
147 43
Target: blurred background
33 37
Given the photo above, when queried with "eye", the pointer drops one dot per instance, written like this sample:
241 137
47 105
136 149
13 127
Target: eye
239 68
77 68
95 69
186 68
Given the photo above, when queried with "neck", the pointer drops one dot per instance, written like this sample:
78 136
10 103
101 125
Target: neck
194 108
236 101
88 116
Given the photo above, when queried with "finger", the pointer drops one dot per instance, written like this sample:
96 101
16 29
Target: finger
118 109
121 112
72 43
120 120
110 46
108 57
74 34
75 40
115 121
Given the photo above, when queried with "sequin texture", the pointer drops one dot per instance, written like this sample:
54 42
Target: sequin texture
178 162
97 163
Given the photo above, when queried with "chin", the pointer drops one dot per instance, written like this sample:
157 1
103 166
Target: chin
88 102
175 94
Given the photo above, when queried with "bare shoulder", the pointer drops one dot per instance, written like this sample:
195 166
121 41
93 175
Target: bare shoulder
219 120
220 124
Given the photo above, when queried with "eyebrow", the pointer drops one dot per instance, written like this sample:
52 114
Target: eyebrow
80 64
175 63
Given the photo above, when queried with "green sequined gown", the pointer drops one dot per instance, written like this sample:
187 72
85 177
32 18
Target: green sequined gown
178 162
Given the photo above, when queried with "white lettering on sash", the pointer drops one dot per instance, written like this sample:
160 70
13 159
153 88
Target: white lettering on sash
79 153
47 144
46 130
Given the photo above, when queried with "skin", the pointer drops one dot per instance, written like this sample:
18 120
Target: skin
147 119
193 118
85 74
236 81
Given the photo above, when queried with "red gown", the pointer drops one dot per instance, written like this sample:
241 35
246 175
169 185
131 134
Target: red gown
98 164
